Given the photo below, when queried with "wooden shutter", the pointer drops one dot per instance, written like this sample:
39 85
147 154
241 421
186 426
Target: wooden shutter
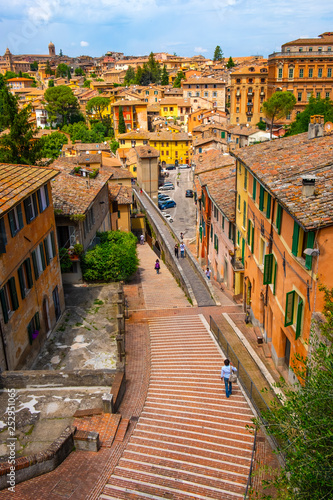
42 255
268 269
268 208
299 319
12 224
243 250
294 249
47 254
254 189
249 231
252 240
28 209
29 273
279 218
34 261
4 305
3 237
53 244
309 244
13 293
19 215
47 195
261 198
21 281
289 312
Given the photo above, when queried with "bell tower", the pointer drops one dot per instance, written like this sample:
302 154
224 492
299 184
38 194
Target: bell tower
51 50
9 60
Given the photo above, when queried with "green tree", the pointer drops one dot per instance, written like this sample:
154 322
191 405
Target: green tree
80 132
164 76
114 259
79 72
62 70
61 102
10 74
130 76
86 84
48 70
17 146
261 125
315 106
121 123
50 83
93 75
60 53
34 66
179 77
97 105
230 63
303 423
52 144
138 75
278 106
154 69
218 54
114 145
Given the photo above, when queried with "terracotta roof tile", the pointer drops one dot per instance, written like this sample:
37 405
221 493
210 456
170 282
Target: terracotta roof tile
146 152
221 184
121 194
211 160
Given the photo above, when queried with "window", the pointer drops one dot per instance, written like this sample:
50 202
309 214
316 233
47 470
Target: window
216 213
205 94
3 236
38 260
327 95
320 72
329 72
301 72
250 234
214 94
318 94
310 49
280 73
25 277
33 328
30 208
244 214
291 73
197 94
294 312
56 301
222 135
216 243
262 250
147 92
15 218
231 232
8 299
268 205
245 178
279 218
310 72
49 247
238 202
254 189
261 198
299 96
223 218
211 231
189 94
308 95
237 109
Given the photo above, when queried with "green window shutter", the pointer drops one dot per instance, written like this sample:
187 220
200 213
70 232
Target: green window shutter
289 312
53 244
249 231
268 269
217 245
47 255
223 223
4 305
244 214
12 225
254 189
29 273
252 240
21 281
243 250
37 322
309 244
268 208
261 198
200 232
223 135
274 279
211 231
41 248
294 249
19 215
299 319
279 218
13 293
34 262
245 179
30 330
3 237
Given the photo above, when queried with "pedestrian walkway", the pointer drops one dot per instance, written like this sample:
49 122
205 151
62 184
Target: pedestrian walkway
190 441
200 291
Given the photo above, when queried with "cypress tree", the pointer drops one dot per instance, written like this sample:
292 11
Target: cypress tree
121 123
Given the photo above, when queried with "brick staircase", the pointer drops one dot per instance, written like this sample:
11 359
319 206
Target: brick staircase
190 441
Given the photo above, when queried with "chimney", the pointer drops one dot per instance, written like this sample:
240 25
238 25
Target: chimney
316 126
308 185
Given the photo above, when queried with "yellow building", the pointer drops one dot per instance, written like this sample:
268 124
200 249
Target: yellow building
175 108
241 222
248 91
172 146
130 140
134 112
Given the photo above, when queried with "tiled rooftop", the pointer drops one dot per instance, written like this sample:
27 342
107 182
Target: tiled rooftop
80 146
279 165
121 194
147 152
169 136
210 160
221 184
18 181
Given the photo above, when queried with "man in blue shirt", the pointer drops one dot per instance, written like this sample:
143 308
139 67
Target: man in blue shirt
225 374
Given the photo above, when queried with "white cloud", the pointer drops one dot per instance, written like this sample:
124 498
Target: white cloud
200 50
84 44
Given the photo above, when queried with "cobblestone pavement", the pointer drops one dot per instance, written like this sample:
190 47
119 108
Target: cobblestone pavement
185 439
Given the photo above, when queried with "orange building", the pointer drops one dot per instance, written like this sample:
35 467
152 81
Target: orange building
248 91
303 67
285 225
31 292
134 112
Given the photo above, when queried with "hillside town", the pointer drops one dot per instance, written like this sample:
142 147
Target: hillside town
211 181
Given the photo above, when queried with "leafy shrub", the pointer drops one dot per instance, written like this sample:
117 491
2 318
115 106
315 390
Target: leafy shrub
114 259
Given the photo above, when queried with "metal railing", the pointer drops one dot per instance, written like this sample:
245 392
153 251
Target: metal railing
249 479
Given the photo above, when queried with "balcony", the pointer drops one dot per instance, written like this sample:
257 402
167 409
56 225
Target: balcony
249 112
262 93
250 103
249 92
238 94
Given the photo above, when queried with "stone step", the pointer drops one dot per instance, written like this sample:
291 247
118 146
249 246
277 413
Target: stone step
122 428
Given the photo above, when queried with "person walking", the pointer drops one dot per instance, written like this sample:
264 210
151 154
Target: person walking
182 250
208 273
226 371
176 250
142 239
157 266
181 236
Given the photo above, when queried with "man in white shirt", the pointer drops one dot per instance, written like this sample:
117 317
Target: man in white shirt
225 374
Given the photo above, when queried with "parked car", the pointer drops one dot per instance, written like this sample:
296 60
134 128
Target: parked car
189 193
167 187
168 216
170 167
164 172
164 197
183 165
166 204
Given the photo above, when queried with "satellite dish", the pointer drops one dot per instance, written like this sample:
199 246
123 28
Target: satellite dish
328 127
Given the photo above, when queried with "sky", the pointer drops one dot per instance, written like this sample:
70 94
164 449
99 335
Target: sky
138 27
